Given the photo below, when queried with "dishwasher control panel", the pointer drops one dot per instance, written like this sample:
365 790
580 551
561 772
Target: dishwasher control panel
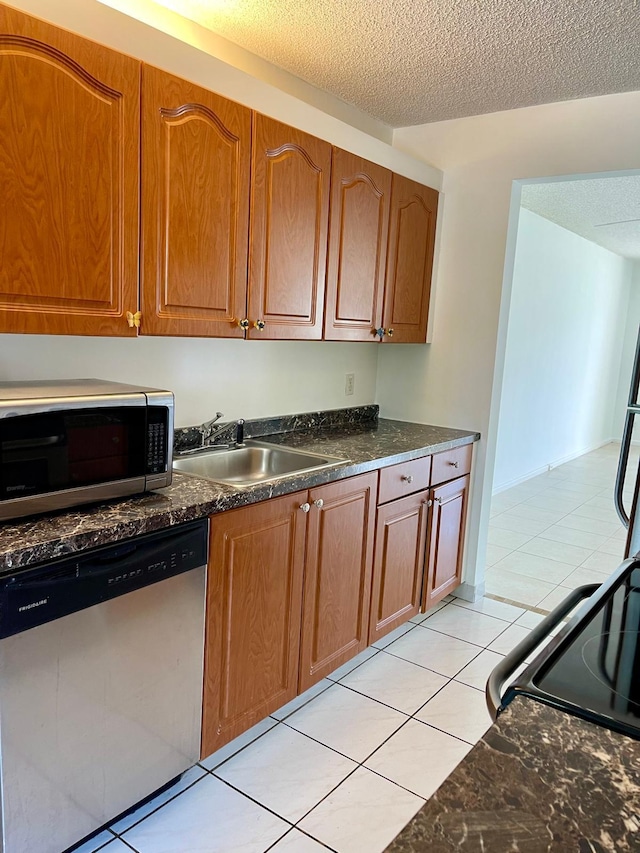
39 595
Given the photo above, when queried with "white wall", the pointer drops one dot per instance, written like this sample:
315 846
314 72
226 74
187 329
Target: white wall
452 381
628 352
569 304
240 378
245 379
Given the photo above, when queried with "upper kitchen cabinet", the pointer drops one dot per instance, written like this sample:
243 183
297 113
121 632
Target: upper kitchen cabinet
69 125
359 223
412 230
196 150
288 231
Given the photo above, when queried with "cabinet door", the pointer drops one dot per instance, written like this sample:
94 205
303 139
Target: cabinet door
196 150
254 598
288 231
337 586
446 539
358 230
412 229
70 130
398 564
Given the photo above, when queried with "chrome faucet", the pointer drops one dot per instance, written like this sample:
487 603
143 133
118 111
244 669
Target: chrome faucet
207 434
206 429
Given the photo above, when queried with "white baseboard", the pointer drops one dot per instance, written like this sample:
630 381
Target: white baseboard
551 465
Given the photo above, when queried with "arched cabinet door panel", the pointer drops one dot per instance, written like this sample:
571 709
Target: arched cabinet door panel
69 125
412 229
288 231
358 230
196 149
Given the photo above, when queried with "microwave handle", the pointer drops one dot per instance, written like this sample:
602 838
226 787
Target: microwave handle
22 443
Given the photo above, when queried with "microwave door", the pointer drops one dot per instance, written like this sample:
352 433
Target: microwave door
34 458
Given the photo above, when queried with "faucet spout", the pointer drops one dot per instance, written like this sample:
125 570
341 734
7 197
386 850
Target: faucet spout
206 429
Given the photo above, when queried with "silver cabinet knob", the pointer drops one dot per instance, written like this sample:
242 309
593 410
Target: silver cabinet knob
305 507
408 478
454 464
438 500
428 503
259 325
319 503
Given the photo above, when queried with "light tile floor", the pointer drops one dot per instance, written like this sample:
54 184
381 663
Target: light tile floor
345 766
557 531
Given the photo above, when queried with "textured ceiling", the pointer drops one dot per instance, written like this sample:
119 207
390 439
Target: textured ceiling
604 210
415 61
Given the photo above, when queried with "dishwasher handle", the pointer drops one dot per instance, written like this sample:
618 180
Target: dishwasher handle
537 635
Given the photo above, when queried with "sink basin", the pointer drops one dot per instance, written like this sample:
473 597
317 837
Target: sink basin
252 463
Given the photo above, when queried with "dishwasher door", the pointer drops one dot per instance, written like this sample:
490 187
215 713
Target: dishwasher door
98 709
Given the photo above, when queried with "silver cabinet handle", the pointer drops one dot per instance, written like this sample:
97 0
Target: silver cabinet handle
319 503
305 507
408 478
454 464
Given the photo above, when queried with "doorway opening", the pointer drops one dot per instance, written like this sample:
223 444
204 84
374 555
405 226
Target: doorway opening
573 319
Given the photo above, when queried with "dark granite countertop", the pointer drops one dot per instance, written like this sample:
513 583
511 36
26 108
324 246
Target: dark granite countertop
539 781
368 444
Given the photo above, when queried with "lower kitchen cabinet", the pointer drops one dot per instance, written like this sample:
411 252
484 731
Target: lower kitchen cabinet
254 601
263 646
446 539
337 583
398 567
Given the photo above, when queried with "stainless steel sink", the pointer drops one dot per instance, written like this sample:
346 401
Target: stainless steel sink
252 463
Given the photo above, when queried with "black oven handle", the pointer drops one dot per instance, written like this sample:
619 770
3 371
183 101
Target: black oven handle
536 636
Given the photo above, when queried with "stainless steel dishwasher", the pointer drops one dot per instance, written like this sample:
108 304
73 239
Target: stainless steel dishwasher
101 661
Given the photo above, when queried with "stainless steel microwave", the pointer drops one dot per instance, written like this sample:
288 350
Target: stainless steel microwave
64 443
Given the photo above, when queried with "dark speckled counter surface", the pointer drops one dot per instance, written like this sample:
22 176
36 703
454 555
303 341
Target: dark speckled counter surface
539 781
368 444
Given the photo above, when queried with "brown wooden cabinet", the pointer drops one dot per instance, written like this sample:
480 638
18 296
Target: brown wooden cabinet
358 232
69 125
235 209
262 645
337 585
446 539
398 567
196 159
412 229
254 600
288 231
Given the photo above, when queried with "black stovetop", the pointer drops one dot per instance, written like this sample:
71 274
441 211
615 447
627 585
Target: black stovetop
592 669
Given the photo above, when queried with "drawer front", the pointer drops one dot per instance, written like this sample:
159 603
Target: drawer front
450 464
404 479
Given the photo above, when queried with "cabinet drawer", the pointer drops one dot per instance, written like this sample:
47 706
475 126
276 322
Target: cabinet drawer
404 479
450 464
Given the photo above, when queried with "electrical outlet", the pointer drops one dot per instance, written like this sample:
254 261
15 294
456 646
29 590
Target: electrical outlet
349 384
